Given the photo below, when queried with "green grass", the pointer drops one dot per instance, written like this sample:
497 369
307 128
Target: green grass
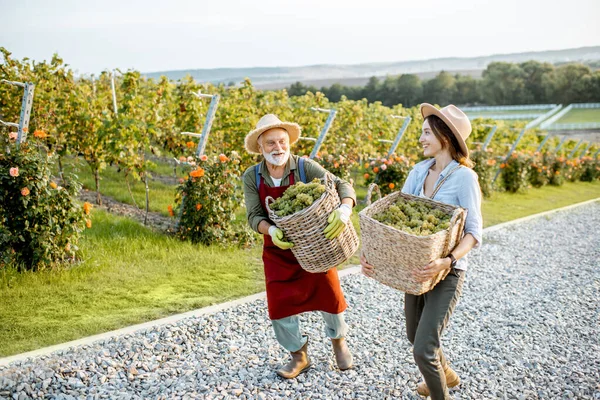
131 274
580 115
503 207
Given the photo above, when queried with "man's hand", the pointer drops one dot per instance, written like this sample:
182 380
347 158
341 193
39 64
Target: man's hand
277 236
432 269
337 221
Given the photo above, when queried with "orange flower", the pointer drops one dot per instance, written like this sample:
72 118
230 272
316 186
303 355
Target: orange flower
25 191
88 223
53 185
40 134
198 173
515 155
203 157
366 165
198 207
491 162
182 158
223 158
87 207
170 208
189 145
336 165
376 169
366 176
502 166
391 186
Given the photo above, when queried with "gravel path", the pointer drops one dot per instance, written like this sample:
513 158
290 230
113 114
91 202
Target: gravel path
527 327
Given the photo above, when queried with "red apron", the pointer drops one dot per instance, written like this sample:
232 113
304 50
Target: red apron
290 289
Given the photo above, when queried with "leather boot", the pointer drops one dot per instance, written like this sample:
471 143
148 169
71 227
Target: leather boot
343 357
452 380
299 363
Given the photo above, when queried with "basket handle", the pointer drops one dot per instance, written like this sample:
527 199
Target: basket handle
269 200
370 192
458 219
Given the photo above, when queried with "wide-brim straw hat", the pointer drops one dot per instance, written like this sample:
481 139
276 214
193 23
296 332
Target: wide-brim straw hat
457 121
267 122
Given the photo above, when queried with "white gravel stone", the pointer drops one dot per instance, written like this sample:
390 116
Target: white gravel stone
526 327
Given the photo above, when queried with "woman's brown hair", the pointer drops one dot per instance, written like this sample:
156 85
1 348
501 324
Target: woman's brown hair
448 140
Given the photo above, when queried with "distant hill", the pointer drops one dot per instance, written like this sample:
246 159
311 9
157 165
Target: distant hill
357 74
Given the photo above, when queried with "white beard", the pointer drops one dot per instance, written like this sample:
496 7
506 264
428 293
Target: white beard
278 160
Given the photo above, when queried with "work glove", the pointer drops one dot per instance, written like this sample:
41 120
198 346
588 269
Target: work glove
338 220
277 236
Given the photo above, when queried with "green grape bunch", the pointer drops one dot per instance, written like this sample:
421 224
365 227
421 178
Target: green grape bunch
414 217
298 197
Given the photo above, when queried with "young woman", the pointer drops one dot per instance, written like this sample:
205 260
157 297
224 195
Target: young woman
445 176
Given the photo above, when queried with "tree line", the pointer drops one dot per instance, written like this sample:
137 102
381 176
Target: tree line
501 83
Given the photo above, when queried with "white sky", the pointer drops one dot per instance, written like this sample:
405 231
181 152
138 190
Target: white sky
152 35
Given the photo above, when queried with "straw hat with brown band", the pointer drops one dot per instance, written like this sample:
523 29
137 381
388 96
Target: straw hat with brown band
267 122
457 121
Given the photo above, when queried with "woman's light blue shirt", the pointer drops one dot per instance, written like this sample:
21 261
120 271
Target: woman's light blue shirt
460 189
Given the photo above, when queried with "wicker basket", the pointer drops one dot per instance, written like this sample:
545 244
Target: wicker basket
314 252
396 254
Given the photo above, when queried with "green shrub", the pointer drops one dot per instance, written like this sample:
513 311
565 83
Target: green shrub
206 202
339 165
573 170
590 169
557 169
485 167
40 221
515 171
389 173
539 173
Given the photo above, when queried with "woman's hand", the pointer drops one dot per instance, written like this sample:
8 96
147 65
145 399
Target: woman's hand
367 269
432 269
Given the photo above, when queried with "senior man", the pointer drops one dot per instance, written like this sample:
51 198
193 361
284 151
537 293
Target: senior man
290 289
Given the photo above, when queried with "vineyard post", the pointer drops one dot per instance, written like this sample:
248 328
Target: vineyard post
543 143
489 137
560 145
585 150
114 91
575 149
26 103
321 138
512 149
210 116
399 135
529 125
